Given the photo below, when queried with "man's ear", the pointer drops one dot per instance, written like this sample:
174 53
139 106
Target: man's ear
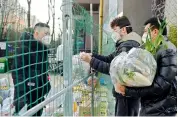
124 30
155 32
35 34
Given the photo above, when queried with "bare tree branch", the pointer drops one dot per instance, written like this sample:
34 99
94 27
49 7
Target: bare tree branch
10 14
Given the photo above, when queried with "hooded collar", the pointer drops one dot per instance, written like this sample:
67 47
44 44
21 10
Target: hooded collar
133 36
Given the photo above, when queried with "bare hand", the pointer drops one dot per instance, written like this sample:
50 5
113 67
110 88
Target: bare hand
90 81
85 57
120 88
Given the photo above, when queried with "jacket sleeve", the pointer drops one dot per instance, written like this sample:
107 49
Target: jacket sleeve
106 59
166 73
100 65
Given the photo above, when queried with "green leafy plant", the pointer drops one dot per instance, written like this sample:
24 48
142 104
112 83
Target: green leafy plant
173 34
130 74
153 46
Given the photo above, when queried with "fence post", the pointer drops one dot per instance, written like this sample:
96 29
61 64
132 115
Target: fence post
67 52
91 36
92 96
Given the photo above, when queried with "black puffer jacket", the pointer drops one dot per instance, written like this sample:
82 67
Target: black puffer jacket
160 99
102 63
30 67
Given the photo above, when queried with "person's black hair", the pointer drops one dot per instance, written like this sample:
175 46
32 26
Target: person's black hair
122 22
41 25
154 24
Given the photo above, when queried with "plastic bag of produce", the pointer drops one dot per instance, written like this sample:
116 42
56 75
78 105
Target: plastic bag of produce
80 68
4 88
137 68
6 103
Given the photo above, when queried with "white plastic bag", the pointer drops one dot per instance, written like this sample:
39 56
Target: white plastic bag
7 94
23 110
137 68
80 68
4 88
7 108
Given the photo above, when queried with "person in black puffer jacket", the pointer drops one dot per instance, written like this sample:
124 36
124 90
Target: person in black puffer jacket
159 99
125 106
30 69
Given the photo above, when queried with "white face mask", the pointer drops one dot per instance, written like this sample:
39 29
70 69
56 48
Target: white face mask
116 34
145 37
46 40
116 37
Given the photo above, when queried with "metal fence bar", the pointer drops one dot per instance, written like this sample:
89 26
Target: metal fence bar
67 58
91 36
47 101
92 97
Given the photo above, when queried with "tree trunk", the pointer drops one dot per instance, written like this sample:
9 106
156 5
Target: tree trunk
28 14
2 19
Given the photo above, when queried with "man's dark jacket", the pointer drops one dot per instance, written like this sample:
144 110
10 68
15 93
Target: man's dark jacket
102 63
30 70
160 99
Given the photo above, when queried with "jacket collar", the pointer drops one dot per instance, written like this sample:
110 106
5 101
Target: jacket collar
130 37
28 40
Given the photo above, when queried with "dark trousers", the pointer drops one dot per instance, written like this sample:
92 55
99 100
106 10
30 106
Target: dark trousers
127 106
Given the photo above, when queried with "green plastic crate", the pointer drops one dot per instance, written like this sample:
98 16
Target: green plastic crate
3 65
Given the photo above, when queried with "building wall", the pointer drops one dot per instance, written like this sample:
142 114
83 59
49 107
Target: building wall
138 11
95 29
86 5
95 32
120 6
106 9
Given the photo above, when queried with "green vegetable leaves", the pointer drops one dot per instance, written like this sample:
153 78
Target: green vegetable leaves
153 46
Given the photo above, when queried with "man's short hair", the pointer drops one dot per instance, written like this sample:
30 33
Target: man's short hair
154 24
122 22
40 25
